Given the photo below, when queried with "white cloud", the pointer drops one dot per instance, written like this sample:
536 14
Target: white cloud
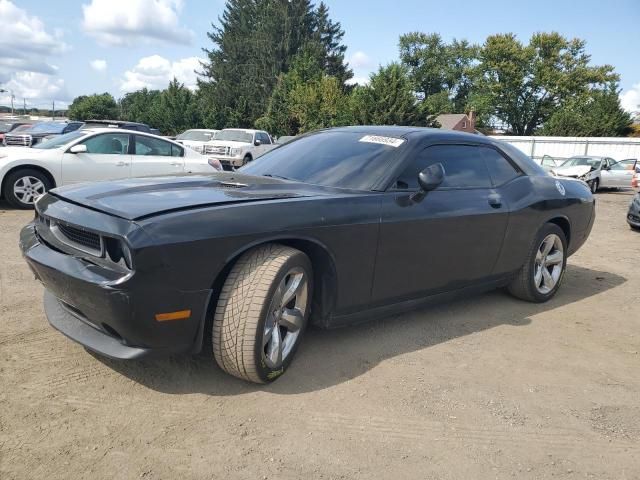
25 42
630 99
360 60
358 81
126 22
98 65
36 88
24 65
155 72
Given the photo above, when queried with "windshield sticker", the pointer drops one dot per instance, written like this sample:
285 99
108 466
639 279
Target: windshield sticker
389 141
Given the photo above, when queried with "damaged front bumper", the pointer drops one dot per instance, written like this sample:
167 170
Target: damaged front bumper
109 313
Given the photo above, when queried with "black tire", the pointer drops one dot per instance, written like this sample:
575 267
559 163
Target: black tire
247 158
13 177
523 286
594 184
246 304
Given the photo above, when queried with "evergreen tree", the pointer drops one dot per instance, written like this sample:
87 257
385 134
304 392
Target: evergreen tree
253 45
389 99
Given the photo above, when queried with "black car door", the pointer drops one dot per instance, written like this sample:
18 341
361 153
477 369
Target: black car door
449 239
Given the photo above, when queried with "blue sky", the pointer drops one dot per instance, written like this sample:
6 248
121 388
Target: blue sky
56 50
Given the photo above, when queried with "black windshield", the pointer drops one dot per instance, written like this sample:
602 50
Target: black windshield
334 158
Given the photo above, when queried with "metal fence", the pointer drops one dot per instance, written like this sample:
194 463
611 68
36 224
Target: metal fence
618 148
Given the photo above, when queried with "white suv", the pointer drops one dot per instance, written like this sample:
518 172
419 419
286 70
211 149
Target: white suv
90 155
234 147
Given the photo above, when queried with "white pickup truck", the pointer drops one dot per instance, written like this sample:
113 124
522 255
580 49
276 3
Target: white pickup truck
234 147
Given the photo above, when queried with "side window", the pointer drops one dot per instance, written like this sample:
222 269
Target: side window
176 151
463 165
108 144
500 170
264 138
152 146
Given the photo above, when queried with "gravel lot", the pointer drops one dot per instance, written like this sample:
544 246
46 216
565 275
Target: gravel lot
487 387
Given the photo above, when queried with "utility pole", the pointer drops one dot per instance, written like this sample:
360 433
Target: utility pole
24 107
53 110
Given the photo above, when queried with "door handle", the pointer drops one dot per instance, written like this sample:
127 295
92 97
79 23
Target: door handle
176 164
121 164
495 200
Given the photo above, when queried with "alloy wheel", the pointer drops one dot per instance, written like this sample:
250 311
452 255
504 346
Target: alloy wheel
28 189
285 318
549 264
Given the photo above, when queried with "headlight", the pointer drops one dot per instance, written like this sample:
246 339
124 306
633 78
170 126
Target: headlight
118 252
235 152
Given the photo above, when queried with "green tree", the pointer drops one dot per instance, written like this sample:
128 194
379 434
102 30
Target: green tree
597 115
93 107
389 99
305 98
253 45
176 109
523 85
140 106
328 35
440 70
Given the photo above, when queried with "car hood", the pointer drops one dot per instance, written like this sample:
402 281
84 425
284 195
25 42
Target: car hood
228 143
145 197
576 171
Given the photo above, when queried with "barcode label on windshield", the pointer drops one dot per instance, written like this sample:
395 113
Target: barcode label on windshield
389 141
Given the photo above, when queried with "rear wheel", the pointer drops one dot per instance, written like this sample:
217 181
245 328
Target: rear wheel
23 187
540 277
262 313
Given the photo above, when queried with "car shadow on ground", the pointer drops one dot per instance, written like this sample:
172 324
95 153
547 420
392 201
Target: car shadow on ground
331 357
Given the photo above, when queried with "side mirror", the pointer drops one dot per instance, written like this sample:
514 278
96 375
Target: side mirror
431 177
257 143
78 149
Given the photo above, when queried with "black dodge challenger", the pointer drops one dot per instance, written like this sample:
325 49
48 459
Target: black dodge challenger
337 226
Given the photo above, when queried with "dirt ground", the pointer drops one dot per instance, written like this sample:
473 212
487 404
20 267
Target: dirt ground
487 387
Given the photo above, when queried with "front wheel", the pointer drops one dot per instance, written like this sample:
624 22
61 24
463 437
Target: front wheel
24 187
540 277
262 312
593 185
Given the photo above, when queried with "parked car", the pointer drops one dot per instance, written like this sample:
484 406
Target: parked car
235 147
633 214
89 155
598 172
197 138
285 139
8 126
138 127
39 132
339 226
548 163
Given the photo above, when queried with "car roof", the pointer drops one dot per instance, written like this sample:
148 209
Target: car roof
436 134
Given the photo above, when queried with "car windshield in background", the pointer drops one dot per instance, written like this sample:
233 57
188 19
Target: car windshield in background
48 127
582 162
4 127
334 159
235 136
196 135
60 140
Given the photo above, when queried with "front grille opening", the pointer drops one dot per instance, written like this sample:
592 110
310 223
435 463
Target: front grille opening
77 237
